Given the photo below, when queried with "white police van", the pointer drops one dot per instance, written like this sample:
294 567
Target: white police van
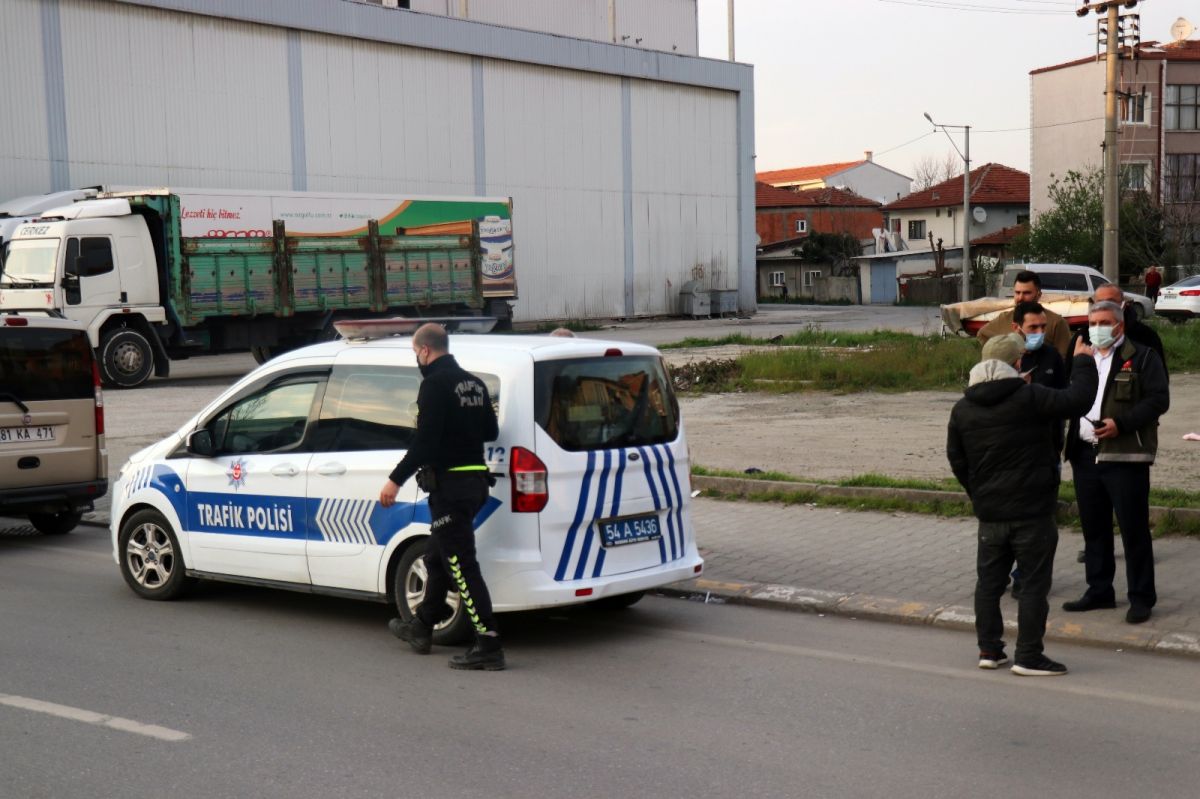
276 482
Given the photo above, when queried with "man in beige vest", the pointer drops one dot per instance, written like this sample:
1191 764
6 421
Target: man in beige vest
1028 288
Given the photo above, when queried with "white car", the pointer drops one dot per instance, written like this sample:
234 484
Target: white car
276 482
1179 301
1071 279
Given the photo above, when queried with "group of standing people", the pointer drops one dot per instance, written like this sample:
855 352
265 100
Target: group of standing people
1039 395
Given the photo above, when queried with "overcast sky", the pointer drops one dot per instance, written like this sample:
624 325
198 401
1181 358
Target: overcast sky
836 77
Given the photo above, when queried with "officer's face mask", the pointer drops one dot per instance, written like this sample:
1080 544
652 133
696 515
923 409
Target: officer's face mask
1034 341
1102 336
423 365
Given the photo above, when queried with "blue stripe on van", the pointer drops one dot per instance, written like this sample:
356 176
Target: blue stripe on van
613 511
586 550
658 459
679 497
585 484
662 547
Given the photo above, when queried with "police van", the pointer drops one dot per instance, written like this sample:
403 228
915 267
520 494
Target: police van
276 482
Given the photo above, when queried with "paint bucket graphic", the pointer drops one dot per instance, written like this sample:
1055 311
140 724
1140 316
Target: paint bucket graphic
496 241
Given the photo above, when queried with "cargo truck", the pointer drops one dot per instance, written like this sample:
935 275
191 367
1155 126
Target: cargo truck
19 210
161 274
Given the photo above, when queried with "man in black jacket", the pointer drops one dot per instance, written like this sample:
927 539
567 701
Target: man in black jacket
454 419
1001 449
1111 448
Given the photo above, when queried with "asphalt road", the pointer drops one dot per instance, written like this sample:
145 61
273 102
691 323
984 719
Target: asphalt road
240 692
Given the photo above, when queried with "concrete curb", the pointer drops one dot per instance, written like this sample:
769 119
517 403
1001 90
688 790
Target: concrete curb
744 486
900 611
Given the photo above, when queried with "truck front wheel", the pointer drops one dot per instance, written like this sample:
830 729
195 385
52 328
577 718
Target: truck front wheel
126 359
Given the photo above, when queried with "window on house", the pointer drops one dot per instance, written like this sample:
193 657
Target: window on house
916 229
1133 108
1133 177
810 277
1180 107
937 212
1181 177
776 279
801 225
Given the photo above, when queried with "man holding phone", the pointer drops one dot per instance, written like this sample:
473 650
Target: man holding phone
1111 448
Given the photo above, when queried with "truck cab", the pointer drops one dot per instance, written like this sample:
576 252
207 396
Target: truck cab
92 262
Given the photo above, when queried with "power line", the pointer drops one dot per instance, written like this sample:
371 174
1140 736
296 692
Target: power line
957 5
910 141
1040 127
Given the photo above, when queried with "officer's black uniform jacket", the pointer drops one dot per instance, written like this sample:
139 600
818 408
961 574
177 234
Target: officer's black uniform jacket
1000 445
454 419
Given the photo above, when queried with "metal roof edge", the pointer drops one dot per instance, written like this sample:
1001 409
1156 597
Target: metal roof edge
359 20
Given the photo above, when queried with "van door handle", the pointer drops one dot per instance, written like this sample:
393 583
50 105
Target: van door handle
331 469
285 470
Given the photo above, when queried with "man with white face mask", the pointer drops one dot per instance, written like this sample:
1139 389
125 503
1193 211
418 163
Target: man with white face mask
1111 448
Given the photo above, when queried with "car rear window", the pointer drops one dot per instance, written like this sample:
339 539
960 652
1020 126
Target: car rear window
40 364
1194 280
602 403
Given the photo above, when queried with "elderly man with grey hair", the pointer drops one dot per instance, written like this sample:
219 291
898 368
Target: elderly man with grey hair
1001 448
1111 448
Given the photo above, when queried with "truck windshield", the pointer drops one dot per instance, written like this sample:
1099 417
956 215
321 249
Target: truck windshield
30 261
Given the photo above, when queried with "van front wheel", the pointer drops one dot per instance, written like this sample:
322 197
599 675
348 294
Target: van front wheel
150 559
59 523
126 358
409 590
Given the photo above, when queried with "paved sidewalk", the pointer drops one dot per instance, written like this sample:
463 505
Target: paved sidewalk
917 569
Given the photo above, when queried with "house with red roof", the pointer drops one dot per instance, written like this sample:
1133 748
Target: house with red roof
999 199
1158 135
863 177
784 219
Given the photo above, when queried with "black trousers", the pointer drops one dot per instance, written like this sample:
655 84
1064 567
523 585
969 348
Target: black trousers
1101 489
450 559
1031 543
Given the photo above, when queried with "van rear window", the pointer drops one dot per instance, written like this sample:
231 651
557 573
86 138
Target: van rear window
39 364
602 403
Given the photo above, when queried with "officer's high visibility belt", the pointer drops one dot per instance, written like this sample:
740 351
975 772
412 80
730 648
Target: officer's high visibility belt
478 468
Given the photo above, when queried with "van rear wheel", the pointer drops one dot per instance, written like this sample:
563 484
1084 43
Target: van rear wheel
126 358
409 590
59 523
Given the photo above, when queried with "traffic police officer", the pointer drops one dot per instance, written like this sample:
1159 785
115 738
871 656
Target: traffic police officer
454 419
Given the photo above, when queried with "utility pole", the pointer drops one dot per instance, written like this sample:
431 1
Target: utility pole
731 58
1112 33
965 154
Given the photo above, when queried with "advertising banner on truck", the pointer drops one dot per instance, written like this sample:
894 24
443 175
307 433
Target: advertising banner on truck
237 215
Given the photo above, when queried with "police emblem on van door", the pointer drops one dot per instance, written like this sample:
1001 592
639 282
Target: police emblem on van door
237 474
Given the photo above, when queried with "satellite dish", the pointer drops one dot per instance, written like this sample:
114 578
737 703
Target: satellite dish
979 213
1182 29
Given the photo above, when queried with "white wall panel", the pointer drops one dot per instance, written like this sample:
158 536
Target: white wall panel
174 96
24 139
685 191
380 118
553 142
668 25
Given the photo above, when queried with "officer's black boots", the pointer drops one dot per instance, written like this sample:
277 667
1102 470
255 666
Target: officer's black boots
418 634
485 654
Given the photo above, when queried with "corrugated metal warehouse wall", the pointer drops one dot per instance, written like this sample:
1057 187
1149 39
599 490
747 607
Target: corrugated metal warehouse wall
625 185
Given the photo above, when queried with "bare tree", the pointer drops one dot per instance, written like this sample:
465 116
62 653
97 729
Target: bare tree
929 170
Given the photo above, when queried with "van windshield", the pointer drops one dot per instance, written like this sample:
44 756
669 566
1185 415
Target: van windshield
30 261
602 403
39 364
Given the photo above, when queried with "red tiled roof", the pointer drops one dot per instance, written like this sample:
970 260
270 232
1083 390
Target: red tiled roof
802 173
1000 237
1186 50
767 196
991 184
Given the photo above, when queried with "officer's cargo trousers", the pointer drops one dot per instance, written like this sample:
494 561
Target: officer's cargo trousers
450 558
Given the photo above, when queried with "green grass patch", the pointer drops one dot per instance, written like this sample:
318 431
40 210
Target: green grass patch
1181 343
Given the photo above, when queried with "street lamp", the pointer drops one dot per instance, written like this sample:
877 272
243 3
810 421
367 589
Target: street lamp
966 157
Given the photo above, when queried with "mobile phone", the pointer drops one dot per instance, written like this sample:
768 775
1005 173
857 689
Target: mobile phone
1096 423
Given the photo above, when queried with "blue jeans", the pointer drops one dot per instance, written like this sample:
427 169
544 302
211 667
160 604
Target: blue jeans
1031 544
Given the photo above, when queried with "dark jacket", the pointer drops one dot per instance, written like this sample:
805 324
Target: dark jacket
1136 393
454 419
1140 332
1046 368
1000 445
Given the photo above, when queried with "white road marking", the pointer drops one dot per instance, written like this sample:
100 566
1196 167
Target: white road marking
91 717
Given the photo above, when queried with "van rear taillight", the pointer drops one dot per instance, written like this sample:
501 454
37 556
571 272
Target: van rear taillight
528 473
99 396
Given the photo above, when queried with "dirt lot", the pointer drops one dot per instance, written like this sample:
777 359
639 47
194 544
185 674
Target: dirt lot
831 436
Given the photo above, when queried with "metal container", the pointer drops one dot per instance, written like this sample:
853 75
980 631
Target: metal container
694 300
724 301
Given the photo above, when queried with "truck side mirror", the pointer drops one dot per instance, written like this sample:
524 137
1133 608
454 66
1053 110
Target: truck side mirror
70 282
200 443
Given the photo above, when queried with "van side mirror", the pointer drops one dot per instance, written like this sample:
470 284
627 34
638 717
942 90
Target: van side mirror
200 443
